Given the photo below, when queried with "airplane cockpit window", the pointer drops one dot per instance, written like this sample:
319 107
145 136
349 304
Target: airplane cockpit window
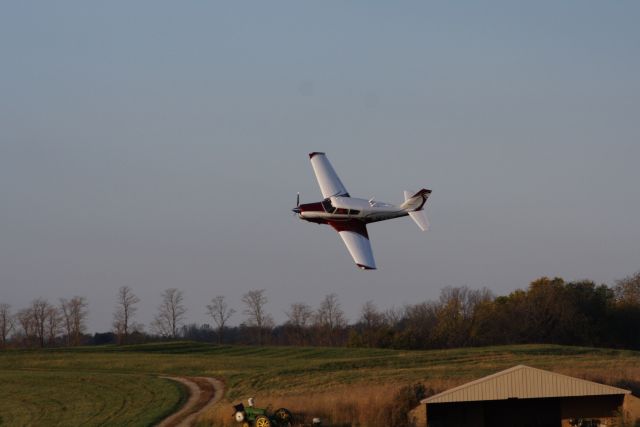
326 204
354 212
342 211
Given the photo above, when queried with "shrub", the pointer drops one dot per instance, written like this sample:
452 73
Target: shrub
407 398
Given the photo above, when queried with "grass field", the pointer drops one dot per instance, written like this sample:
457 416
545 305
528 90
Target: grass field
103 385
67 397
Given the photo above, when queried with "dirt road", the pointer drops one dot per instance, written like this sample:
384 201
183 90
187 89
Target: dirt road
203 392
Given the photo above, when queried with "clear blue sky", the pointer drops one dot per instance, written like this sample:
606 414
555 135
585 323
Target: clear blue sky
161 144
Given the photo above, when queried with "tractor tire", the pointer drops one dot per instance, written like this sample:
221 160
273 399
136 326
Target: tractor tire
283 417
262 421
246 424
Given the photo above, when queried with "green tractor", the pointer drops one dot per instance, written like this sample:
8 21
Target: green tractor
260 417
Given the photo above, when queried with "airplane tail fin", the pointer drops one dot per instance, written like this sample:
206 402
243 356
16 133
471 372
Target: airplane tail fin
415 205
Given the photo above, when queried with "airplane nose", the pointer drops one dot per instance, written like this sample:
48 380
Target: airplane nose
296 210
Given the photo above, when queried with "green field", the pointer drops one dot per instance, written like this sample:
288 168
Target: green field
69 397
109 385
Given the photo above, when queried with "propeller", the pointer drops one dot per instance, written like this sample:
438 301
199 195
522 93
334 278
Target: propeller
296 210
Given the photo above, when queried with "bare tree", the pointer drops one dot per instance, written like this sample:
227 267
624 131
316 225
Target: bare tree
220 312
39 313
417 324
53 323
299 317
371 322
627 290
6 323
125 311
393 316
171 313
27 324
74 314
457 315
255 301
330 319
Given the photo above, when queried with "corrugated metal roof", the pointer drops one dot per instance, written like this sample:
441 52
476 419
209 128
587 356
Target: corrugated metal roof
523 382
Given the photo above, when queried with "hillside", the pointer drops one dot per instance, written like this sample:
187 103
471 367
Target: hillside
268 373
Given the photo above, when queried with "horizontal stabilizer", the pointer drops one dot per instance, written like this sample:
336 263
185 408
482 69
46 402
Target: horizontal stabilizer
420 218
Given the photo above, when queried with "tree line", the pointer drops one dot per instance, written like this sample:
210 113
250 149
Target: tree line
549 310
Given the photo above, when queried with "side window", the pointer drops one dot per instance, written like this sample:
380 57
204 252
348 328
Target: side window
354 212
326 204
342 211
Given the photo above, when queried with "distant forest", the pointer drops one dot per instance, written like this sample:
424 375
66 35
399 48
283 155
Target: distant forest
547 311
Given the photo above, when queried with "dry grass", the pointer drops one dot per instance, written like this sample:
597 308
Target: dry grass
627 377
357 405
371 405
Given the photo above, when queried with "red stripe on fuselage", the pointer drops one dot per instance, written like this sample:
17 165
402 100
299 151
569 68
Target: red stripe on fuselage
311 207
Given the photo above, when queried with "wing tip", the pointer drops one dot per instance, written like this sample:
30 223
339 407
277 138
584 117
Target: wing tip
311 155
365 267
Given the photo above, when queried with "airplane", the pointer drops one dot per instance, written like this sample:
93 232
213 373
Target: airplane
349 216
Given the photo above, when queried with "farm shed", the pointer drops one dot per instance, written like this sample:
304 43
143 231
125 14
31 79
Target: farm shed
524 396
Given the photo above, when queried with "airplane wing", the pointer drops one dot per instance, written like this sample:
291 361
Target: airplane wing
355 237
330 184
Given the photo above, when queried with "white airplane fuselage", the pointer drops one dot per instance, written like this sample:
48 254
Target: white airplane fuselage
339 208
